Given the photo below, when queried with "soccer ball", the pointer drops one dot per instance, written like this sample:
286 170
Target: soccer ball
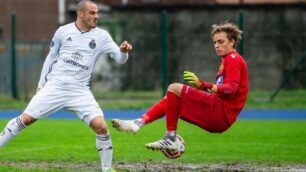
178 153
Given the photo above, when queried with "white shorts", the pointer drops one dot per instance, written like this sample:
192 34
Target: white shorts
52 98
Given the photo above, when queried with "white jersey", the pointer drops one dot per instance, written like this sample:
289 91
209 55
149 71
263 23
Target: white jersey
73 54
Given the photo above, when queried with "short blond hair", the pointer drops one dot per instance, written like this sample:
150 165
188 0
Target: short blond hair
232 31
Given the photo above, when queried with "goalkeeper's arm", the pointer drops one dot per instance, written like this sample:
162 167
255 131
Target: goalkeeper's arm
226 89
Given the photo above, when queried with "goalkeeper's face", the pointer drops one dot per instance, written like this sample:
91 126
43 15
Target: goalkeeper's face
90 16
222 44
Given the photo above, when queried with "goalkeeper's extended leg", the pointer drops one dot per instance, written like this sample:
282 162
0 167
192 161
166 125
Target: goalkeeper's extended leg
128 126
132 126
12 128
173 109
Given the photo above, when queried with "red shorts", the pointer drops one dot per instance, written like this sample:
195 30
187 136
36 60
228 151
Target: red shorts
203 109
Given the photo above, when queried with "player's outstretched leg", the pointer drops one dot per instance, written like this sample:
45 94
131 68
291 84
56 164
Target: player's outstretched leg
128 126
13 127
167 143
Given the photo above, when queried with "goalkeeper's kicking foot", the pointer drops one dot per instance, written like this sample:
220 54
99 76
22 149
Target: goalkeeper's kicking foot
164 144
128 126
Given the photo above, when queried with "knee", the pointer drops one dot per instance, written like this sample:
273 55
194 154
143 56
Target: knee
175 88
27 119
101 130
99 126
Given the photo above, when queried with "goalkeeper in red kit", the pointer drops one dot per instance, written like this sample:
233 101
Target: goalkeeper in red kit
213 107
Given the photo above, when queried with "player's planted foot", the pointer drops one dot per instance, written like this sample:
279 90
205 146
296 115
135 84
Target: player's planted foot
164 144
128 126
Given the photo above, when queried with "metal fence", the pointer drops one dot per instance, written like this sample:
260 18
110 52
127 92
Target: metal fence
5 68
30 57
274 41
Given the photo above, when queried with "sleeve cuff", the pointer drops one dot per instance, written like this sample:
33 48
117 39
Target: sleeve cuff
206 85
209 86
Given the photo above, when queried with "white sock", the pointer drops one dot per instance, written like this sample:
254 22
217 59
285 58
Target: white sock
12 128
105 148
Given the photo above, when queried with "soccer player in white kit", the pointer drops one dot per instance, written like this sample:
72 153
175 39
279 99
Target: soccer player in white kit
65 78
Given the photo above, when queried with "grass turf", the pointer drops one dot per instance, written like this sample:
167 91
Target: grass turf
273 142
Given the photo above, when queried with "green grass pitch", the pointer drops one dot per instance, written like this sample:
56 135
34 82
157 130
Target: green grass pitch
55 141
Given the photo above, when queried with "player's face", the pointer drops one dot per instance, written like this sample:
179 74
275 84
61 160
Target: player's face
90 16
222 44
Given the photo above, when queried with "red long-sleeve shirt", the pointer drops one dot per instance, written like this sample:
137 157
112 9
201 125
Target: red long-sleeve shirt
232 84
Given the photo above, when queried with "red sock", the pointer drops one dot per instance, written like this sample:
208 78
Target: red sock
155 112
173 109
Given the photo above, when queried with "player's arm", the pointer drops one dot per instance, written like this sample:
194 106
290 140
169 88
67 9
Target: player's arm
120 54
50 59
229 88
226 89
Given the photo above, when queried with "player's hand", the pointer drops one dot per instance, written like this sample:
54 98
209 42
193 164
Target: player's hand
125 47
191 78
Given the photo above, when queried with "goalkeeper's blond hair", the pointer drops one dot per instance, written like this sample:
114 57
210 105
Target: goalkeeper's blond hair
232 31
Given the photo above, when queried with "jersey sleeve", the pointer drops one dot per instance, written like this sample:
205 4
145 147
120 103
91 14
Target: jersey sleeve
111 48
225 89
50 59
